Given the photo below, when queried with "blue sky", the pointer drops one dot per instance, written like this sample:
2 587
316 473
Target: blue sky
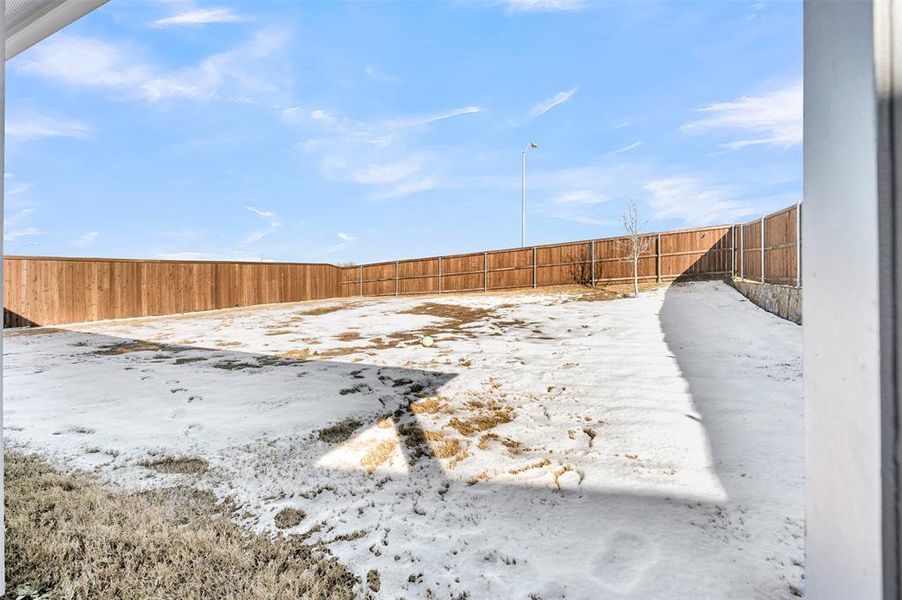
355 132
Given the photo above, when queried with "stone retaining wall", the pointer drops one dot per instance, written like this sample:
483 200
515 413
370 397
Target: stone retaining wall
782 300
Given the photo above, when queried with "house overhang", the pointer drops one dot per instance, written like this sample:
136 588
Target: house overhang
30 21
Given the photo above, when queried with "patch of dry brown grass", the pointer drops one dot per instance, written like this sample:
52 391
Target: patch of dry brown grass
298 354
288 517
339 432
456 313
372 580
536 465
348 336
324 310
69 537
182 465
448 448
279 332
512 445
129 347
481 476
377 455
428 406
487 416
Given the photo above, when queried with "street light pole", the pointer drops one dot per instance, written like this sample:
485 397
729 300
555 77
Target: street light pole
523 194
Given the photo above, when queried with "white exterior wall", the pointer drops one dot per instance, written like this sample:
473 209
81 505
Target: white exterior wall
844 305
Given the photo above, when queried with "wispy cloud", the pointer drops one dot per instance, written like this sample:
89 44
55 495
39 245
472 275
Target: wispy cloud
697 202
545 105
520 6
15 234
387 173
775 116
33 125
201 16
85 239
263 213
375 153
17 222
346 238
408 187
377 74
259 234
627 148
236 75
580 197
754 9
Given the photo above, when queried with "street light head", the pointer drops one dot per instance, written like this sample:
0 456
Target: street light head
533 145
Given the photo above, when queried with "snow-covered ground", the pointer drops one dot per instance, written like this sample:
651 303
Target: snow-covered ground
548 445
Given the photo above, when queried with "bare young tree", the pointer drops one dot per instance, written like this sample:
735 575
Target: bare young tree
635 242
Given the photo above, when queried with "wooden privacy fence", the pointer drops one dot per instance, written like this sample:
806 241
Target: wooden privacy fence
53 291
780 235
700 252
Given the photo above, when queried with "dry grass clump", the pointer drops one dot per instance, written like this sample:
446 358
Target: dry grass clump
69 537
536 465
456 316
324 310
598 295
372 580
182 465
513 445
377 455
298 354
348 336
483 421
428 406
481 476
288 517
189 360
129 347
339 432
235 365
279 332
449 448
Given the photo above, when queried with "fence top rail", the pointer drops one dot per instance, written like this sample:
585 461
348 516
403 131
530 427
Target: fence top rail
770 215
482 253
162 260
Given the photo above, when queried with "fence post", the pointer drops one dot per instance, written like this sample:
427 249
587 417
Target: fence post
485 271
533 266
799 244
360 277
742 251
762 249
439 274
397 280
732 250
593 263
658 258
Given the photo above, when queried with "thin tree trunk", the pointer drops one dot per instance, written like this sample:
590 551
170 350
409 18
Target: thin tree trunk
636 277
